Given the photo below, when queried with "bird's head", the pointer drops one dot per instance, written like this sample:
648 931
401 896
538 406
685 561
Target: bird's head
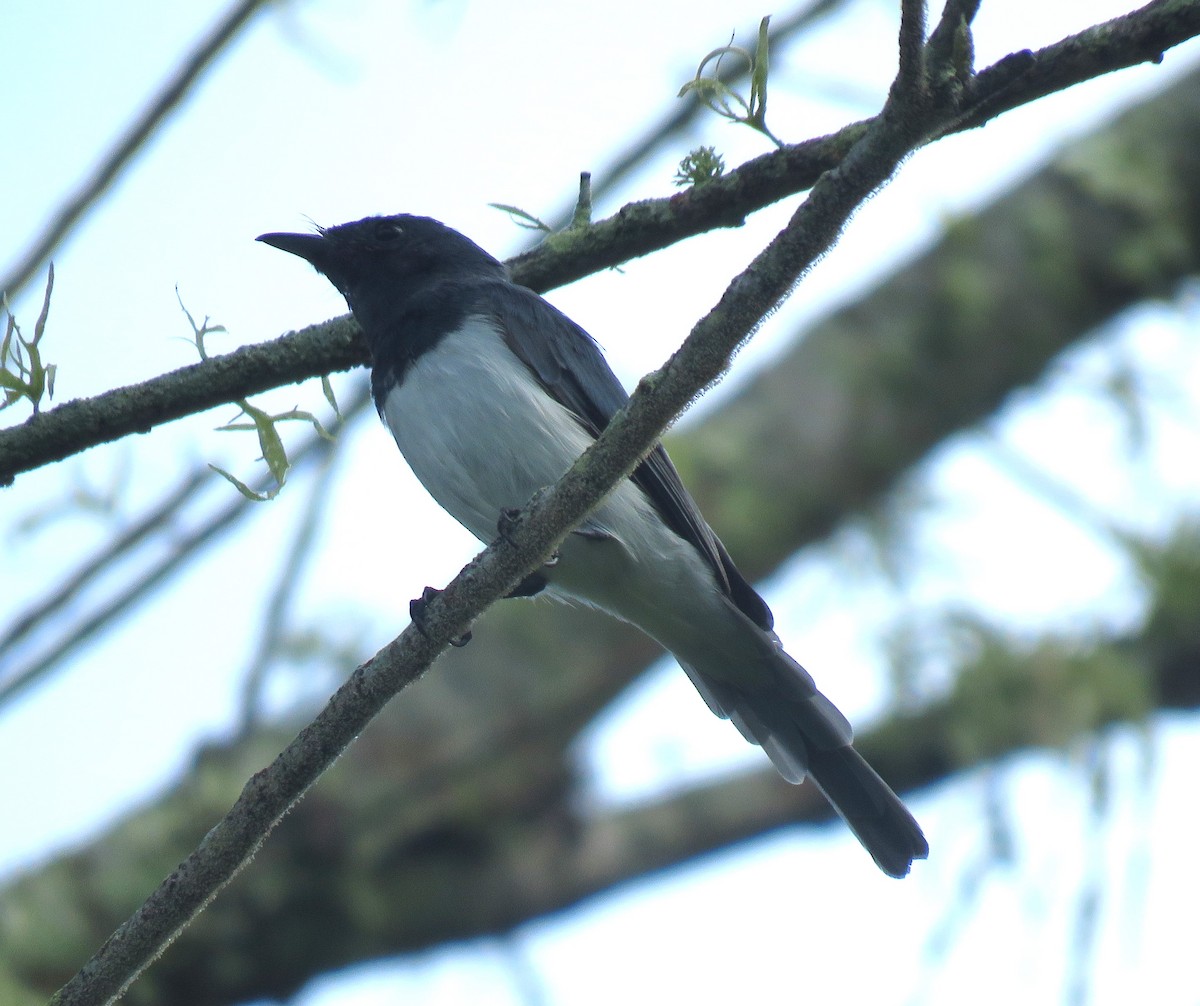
384 260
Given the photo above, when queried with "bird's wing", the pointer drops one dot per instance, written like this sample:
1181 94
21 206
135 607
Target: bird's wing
567 362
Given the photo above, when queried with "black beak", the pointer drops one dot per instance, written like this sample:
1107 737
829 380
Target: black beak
310 247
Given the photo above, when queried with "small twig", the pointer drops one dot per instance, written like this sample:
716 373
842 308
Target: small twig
911 74
582 217
287 581
233 509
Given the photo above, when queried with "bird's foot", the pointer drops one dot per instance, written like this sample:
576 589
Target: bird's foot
507 523
416 611
536 581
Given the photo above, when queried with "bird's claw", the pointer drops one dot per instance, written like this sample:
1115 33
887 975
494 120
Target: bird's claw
416 611
507 522
536 581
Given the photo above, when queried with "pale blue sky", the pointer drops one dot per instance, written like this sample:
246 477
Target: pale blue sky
336 110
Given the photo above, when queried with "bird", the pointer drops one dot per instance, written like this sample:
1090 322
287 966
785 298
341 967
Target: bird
491 394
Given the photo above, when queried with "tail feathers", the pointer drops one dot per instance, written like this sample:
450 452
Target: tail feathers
804 734
867 804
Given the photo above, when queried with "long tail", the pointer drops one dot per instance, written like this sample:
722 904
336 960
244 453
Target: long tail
805 734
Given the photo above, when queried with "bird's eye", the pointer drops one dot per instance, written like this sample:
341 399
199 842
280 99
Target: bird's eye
387 231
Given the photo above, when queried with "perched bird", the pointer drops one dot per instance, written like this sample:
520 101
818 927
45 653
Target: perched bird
491 394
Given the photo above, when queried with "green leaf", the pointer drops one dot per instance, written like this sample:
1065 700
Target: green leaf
23 373
13 383
721 98
269 441
244 489
327 390
522 218
9 328
306 417
39 326
758 74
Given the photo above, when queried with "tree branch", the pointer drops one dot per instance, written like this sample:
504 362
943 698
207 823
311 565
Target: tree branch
75 426
637 229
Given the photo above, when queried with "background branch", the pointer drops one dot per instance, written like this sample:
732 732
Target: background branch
225 516
173 93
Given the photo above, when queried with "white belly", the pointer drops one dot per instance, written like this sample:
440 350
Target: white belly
477 430
482 435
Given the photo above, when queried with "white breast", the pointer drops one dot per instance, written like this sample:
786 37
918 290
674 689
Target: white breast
477 429
482 435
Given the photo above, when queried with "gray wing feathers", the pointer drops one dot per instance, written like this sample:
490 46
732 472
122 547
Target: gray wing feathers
569 364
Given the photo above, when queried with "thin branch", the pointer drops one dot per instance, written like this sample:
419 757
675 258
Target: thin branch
86 422
1141 36
232 510
166 101
287 581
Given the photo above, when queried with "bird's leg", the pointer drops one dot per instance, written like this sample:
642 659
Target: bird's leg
416 611
507 522
536 581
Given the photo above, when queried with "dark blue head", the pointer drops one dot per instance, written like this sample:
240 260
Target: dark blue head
380 263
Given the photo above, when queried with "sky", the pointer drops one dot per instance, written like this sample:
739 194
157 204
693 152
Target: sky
330 111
